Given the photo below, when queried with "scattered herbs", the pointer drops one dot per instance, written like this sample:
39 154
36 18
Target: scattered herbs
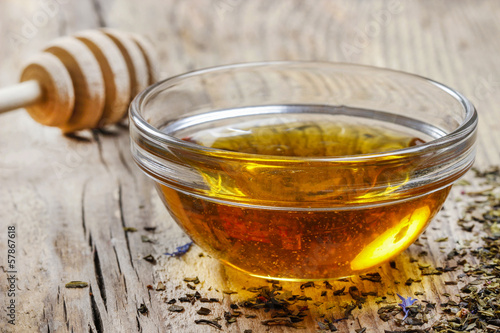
129 229
348 307
467 228
176 308
209 300
475 309
76 284
327 325
187 299
442 239
423 266
307 285
212 323
339 292
369 293
373 277
279 321
356 295
149 258
423 253
418 243
431 271
230 318
409 331
388 311
160 286
146 239
143 310
204 311
194 280
229 292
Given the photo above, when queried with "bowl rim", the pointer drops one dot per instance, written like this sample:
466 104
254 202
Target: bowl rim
466 128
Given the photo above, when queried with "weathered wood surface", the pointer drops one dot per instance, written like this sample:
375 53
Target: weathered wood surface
71 199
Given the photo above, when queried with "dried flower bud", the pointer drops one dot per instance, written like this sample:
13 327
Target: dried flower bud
462 312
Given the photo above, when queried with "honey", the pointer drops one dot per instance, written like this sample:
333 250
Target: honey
334 220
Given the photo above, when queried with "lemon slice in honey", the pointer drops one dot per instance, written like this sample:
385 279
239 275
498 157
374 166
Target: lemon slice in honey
392 241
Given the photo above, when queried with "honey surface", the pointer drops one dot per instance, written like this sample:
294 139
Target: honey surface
316 241
305 138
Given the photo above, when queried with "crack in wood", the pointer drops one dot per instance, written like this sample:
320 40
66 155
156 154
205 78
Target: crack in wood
125 285
99 278
96 315
84 225
139 328
123 161
359 322
120 204
95 134
46 320
121 274
117 260
65 312
77 137
98 11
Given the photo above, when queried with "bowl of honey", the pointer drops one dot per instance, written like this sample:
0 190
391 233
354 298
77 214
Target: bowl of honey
302 170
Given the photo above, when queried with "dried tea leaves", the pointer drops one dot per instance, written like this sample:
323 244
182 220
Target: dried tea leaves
76 284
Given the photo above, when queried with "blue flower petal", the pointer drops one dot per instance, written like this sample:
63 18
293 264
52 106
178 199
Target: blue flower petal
181 250
406 302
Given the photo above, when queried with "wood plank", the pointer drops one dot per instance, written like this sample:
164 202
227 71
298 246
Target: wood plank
71 200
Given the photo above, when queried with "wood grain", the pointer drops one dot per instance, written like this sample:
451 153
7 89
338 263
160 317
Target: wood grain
71 198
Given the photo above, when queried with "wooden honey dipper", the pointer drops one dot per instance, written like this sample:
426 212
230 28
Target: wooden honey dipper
84 81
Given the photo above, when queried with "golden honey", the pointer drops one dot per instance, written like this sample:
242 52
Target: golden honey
302 223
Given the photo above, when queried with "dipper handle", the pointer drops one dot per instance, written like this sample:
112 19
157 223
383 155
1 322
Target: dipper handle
19 95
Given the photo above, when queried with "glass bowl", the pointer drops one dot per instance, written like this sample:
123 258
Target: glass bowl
311 214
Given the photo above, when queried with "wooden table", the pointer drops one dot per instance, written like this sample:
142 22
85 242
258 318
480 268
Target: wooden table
71 201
